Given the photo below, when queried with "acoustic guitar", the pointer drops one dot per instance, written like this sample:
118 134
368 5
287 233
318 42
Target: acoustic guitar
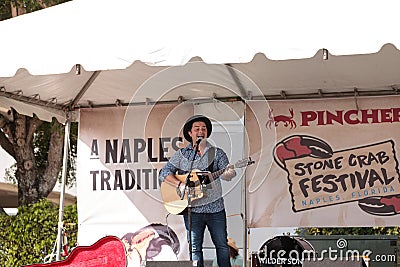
108 251
172 198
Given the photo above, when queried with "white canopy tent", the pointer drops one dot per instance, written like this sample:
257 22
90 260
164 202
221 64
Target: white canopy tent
96 53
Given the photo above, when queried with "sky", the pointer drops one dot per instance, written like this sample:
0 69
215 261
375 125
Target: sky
5 162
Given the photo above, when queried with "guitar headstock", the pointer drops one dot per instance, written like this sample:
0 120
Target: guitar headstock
244 162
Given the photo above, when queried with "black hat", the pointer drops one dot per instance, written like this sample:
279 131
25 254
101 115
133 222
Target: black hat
188 126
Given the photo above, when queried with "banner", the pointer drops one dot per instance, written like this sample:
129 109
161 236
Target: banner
120 152
324 162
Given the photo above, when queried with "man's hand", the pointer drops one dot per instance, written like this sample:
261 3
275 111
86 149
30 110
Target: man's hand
180 189
228 174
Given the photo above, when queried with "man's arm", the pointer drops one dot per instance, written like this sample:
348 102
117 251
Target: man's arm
223 163
172 180
167 173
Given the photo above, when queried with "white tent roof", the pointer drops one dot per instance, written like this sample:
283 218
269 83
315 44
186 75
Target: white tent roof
287 48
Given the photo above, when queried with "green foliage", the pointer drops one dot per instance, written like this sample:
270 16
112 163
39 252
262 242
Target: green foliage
41 144
25 237
350 231
27 5
5 10
9 174
73 153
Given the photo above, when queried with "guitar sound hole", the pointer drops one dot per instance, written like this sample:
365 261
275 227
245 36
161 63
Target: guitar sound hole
204 179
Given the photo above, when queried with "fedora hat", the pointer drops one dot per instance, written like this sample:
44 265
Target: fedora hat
232 244
188 126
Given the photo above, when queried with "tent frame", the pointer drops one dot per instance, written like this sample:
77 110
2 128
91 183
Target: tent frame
63 183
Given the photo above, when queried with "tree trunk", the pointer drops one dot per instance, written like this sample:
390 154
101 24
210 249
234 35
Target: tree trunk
17 139
27 174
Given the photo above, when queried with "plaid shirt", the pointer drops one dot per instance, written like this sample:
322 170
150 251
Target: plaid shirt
181 162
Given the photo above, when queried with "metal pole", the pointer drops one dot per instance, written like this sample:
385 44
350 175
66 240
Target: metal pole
63 179
245 252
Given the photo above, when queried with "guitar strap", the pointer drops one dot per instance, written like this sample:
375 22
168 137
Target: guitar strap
210 168
210 156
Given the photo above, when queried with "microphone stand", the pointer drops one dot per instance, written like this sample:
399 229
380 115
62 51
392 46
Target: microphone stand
190 194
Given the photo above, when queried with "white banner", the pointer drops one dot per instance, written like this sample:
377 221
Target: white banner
324 162
120 152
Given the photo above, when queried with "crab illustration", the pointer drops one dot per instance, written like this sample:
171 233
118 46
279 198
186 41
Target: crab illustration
382 206
298 146
286 120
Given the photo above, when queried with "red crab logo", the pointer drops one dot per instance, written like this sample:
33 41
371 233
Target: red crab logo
298 146
286 120
381 205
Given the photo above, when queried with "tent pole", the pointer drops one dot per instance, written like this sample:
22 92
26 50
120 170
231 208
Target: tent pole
245 253
63 182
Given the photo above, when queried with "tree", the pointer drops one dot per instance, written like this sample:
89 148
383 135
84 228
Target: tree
35 145
13 8
35 176
350 231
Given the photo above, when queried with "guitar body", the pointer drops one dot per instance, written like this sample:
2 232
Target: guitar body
108 251
172 201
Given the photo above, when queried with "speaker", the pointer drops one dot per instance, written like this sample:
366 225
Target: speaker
334 263
272 248
170 264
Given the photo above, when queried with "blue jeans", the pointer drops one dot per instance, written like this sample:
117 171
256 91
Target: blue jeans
216 224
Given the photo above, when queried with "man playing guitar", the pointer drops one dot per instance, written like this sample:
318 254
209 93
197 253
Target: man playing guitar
209 210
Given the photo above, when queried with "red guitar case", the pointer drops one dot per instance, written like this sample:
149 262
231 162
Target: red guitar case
108 251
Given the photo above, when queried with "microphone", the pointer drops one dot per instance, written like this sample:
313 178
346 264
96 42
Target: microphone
199 139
